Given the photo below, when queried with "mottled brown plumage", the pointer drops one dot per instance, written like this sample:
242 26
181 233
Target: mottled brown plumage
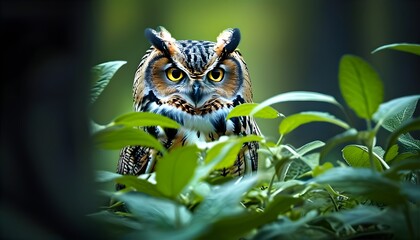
196 83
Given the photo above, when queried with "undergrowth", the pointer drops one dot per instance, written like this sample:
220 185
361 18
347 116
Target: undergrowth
373 193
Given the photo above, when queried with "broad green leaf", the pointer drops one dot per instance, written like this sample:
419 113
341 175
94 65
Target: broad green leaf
102 74
245 109
140 185
117 137
404 47
145 119
223 201
401 134
396 108
360 85
358 156
363 182
155 211
292 122
225 153
295 96
404 114
310 146
175 170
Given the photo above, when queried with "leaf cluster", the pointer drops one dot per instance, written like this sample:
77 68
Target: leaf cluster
298 192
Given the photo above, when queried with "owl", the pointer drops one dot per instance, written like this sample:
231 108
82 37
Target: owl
197 84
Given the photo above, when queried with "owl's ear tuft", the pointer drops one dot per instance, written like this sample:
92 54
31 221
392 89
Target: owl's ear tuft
161 39
228 41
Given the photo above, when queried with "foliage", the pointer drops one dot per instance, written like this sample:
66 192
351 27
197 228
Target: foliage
298 192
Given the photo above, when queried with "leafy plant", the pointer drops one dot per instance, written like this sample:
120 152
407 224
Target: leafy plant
373 192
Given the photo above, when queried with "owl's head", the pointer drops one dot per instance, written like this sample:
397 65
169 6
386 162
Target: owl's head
197 76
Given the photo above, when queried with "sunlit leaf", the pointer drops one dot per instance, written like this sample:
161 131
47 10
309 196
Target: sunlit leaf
394 109
296 96
360 85
175 170
245 109
102 74
117 137
129 181
292 122
225 153
391 153
403 114
358 156
404 47
320 169
145 119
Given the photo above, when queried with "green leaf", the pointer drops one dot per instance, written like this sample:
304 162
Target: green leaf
223 201
102 74
175 170
394 109
245 109
310 147
129 181
224 154
360 86
404 114
406 139
404 47
292 122
285 228
235 226
295 96
155 211
391 153
117 137
145 119
358 156
403 165
363 182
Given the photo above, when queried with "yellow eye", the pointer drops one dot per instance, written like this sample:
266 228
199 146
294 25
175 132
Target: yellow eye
216 74
174 74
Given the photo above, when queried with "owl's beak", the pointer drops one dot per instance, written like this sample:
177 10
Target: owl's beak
196 92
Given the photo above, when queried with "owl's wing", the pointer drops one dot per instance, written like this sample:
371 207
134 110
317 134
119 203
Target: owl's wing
133 161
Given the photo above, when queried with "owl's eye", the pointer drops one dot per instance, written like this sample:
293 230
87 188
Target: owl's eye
216 74
174 74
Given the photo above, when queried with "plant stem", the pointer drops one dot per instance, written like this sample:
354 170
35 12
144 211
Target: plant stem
369 143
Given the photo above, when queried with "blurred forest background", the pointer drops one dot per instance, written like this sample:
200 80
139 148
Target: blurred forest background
288 46
50 46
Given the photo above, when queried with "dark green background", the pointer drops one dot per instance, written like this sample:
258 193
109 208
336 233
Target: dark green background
49 47
288 46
